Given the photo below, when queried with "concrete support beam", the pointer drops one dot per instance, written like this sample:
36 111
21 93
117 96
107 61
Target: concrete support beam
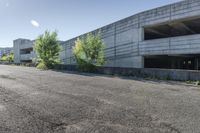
181 27
196 64
187 28
156 32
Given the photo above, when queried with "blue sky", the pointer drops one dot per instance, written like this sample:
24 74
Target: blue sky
29 18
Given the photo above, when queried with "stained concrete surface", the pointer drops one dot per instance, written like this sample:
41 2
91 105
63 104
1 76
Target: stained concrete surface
34 101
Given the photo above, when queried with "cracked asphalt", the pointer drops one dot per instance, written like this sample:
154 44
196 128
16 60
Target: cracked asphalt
34 101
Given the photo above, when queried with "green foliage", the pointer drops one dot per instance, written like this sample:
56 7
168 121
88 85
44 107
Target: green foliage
42 66
10 57
7 58
4 57
47 49
193 82
89 52
197 83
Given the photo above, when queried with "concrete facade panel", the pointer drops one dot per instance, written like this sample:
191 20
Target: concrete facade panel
128 36
109 41
129 62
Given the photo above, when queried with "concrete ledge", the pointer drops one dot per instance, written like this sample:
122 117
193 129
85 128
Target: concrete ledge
166 74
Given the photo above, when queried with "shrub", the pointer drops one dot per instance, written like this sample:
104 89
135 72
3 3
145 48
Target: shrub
10 57
42 66
7 58
197 83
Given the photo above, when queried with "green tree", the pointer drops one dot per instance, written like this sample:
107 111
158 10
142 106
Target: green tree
4 57
89 52
47 49
7 58
10 57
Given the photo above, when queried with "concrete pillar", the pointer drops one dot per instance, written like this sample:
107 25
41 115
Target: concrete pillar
173 63
196 64
138 62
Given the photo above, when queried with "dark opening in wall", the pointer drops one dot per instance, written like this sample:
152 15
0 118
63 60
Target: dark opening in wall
26 51
189 62
173 29
26 61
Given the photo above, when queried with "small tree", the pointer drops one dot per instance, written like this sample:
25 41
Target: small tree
89 52
4 57
10 57
7 58
47 49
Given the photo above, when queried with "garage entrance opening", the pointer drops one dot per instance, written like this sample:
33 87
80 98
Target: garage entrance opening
189 62
173 29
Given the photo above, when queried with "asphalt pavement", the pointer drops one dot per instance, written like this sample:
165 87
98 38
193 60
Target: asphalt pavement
34 101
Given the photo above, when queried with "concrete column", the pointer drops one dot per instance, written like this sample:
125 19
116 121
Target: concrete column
196 64
138 62
115 41
173 63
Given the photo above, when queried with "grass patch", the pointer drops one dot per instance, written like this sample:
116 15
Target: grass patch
197 83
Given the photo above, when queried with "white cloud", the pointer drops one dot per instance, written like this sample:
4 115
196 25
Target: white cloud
35 23
7 4
4 3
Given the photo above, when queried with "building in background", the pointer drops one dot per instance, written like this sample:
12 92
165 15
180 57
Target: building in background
5 51
23 51
164 37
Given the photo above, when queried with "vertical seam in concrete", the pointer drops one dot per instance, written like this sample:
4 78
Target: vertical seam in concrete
170 19
19 52
115 37
70 45
170 13
138 52
66 55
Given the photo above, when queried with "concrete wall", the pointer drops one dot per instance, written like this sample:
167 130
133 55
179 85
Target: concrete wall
124 40
166 74
175 45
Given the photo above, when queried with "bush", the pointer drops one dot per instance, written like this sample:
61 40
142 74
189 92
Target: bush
10 57
197 83
7 58
42 66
